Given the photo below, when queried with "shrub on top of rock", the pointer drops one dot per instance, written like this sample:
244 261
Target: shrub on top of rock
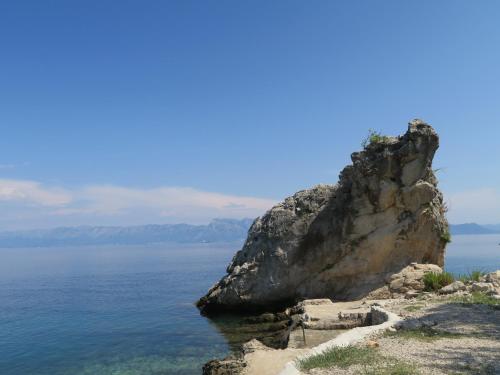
374 137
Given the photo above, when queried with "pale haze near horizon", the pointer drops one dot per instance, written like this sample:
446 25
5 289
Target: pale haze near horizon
166 112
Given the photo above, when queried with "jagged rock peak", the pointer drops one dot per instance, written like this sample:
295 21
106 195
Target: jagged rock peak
342 241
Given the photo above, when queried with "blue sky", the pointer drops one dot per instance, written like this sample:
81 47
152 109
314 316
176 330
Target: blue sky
135 112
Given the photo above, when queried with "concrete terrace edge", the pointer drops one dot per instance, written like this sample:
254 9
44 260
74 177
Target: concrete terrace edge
384 318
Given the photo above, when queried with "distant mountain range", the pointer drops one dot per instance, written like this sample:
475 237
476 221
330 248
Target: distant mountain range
218 230
473 228
493 227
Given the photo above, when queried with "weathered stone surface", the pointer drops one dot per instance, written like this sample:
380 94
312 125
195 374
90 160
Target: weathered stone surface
253 345
227 366
411 294
454 287
380 293
483 287
494 278
342 241
408 282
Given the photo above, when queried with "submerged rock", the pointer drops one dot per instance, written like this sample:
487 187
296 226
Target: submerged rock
343 241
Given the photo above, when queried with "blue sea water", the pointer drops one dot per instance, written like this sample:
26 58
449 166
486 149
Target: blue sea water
108 310
467 253
129 310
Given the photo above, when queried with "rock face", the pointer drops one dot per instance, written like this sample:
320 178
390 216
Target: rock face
343 241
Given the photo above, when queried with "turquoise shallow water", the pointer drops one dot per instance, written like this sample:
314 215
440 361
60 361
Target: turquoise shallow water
129 310
108 310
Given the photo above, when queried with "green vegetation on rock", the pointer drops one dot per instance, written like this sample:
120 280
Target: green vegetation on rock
471 276
373 138
446 236
434 281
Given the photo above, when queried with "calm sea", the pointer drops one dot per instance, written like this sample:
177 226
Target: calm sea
468 253
129 310
108 310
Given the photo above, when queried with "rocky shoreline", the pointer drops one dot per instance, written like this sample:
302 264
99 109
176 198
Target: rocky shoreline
443 310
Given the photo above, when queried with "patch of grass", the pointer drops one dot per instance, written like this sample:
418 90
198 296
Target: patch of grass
373 138
371 361
413 308
476 275
423 334
341 357
393 368
477 298
471 276
434 281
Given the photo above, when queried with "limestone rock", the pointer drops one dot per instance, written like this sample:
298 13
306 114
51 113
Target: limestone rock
409 282
454 287
227 366
483 287
253 345
342 241
494 278
411 294
380 293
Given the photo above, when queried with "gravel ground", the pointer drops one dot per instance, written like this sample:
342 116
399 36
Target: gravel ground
475 351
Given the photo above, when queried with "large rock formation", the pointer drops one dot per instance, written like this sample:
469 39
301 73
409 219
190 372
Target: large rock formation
343 241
